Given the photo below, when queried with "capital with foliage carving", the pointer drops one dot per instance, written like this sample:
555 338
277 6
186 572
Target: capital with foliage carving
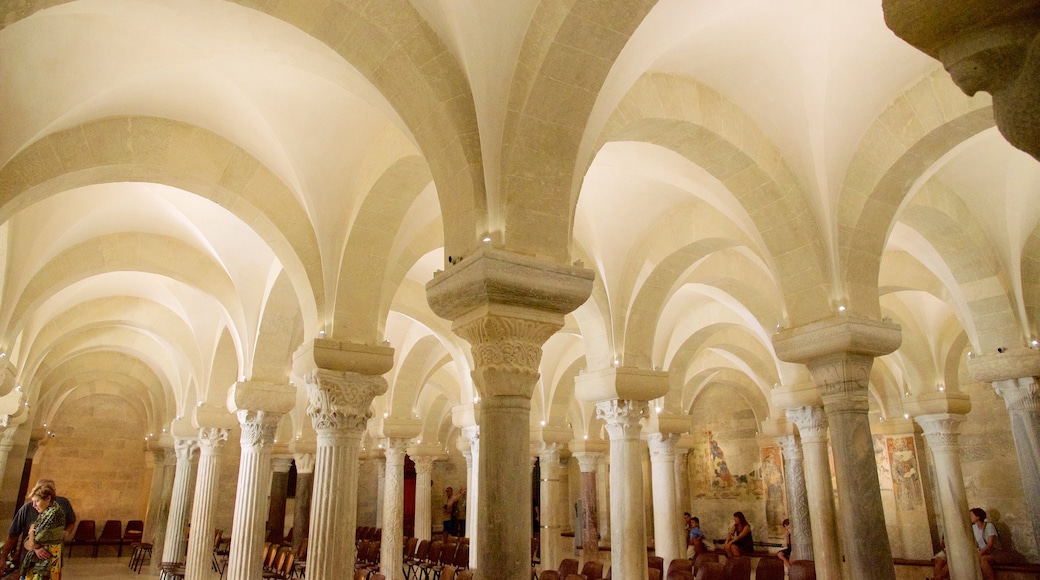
212 439
258 428
1019 394
340 401
186 449
811 421
940 429
622 417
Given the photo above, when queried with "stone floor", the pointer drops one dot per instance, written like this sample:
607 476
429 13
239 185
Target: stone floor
106 568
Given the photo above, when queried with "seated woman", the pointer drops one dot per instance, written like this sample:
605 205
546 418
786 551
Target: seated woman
986 540
43 559
785 554
739 542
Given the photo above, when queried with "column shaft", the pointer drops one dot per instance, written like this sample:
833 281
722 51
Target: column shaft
603 498
390 554
587 463
245 560
162 514
940 430
162 474
666 511
304 490
1022 397
380 465
180 502
812 428
628 521
797 499
473 492
200 542
423 497
550 535
505 499
842 378
279 489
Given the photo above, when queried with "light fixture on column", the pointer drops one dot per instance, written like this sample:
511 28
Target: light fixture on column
841 308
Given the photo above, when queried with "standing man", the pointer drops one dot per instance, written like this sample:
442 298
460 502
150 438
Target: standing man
460 514
26 516
450 514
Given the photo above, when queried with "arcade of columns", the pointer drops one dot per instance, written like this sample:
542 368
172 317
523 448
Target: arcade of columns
506 305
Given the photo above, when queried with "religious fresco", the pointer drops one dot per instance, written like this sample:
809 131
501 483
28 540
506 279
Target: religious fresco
771 477
906 479
884 469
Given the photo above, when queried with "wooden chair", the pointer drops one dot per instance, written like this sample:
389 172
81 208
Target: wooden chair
653 574
769 569
710 571
421 551
549 575
111 535
802 570
737 568
448 573
574 577
592 570
86 533
461 560
464 575
283 565
377 576
567 566
679 564
362 574
132 534
680 575
656 562
140 551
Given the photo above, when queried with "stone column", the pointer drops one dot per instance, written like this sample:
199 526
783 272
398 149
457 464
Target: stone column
187 453
472 434
812 430
506 306
280 467
1013 374
259 407
797 499
839 353
304 490
161 506
423 457
682 487
603 498
662 463
200 541
940 430
379 460
588 461
549 458
628 556
163 463
392 545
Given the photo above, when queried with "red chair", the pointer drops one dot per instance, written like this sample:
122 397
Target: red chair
86 533
111 535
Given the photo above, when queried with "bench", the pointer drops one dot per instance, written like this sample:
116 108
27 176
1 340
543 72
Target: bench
1004 571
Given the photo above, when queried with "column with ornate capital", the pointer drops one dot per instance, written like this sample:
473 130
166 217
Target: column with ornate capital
187 453
200 541
812 431
302 506
940 430
587 463
628 524
797 499
391 548
378 460
506 306
662 463
259 407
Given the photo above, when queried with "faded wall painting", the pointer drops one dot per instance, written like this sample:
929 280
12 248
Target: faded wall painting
906 478
884 470
771 476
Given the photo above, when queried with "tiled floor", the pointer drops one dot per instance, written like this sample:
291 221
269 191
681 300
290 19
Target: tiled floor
106 568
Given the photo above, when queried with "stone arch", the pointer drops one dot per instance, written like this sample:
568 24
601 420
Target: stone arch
566 56
392 46
366 260
679 114
966 251
721 334
280 331
134 251
729 378
176 154
923 124
1030 264
423 359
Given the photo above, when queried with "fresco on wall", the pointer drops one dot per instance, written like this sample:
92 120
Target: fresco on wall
884 470
723 483
906 479
771 476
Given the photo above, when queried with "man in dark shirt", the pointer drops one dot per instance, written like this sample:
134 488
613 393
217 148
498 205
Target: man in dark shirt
26 516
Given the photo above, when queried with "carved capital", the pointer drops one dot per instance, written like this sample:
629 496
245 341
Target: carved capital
340 401
186 449
258 428
940 429
792 449
550 453
304 462
811 421
842 379
212 439
1019 394
662 446
394 449
622 417
506 352
423 465
281 463
588 460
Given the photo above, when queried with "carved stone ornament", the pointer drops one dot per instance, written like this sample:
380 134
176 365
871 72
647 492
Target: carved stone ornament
506 352
842 380
258 428
394 449
304 462
662 446
186 449
588 460
340 401
423 464
940 430
211 439
622 417
811 422
1019 394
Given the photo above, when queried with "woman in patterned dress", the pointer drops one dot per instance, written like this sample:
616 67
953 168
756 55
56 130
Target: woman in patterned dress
43 559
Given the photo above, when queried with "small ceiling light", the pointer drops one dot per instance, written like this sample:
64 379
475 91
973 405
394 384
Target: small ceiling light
321 333
586 437
1035 342
543 423
841 308
487 239
386 415
658 409
906 415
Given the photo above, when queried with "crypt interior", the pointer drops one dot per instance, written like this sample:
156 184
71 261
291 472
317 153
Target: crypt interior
303 264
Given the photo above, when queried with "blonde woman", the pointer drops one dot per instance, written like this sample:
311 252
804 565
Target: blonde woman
43 559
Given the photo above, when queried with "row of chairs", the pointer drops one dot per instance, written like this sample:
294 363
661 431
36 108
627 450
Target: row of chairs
112 534
427 560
